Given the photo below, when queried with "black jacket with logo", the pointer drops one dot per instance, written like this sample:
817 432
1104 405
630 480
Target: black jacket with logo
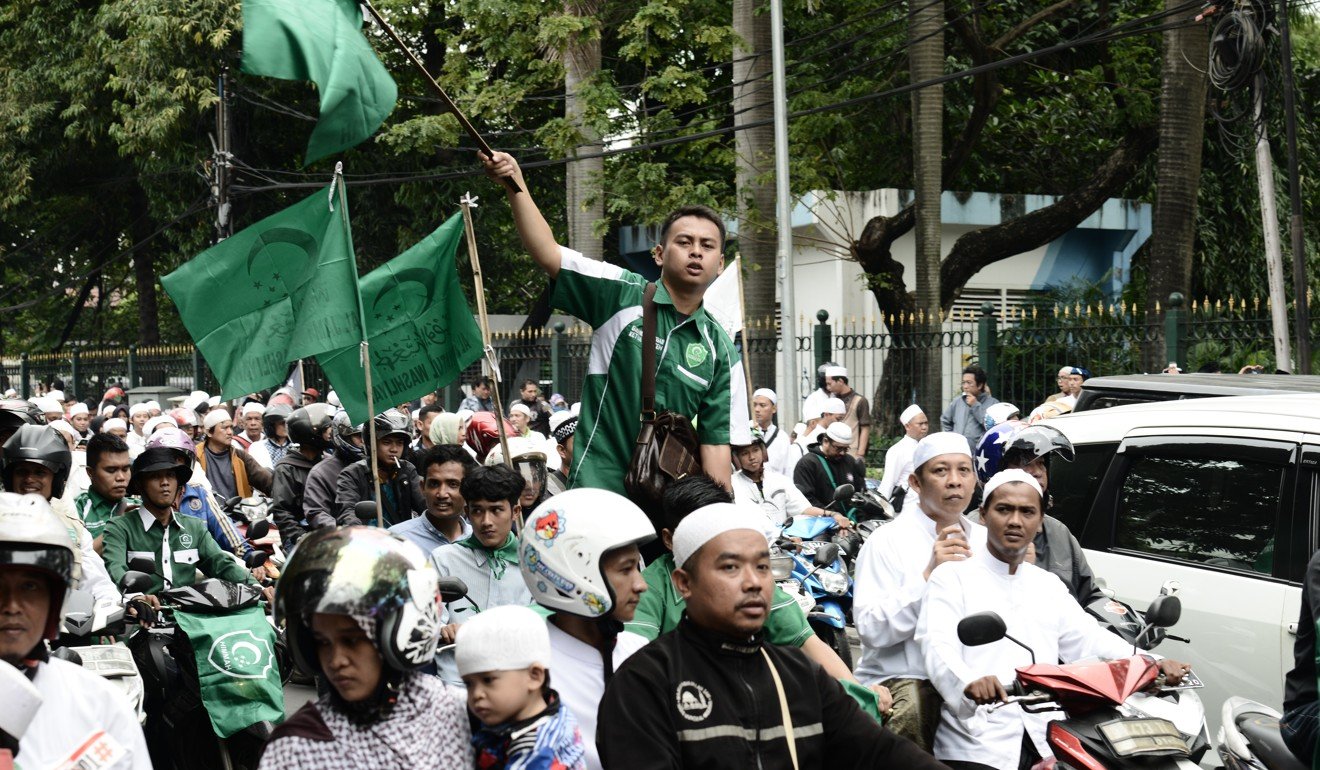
694 699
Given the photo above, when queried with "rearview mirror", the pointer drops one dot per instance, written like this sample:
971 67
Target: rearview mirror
258 530
451 589
825 555
981 628
255 558
365 510
1164 611
142 564
844 493
232 503
135 582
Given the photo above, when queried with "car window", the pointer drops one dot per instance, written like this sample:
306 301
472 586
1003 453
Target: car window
1073 485
1215 511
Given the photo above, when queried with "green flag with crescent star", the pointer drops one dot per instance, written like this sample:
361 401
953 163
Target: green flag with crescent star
321 41
283 289
421 330
238 669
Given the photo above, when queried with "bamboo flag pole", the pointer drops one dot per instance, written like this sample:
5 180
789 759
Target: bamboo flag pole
742 315
440 92
364 349
478 286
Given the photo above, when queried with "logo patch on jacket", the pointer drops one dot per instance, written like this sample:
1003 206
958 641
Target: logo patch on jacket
693 701
695 354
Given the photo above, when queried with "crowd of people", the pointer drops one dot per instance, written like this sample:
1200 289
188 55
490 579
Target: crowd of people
589 633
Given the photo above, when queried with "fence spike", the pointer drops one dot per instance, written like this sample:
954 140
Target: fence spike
1157 307
1218 306
1205 304
1255 303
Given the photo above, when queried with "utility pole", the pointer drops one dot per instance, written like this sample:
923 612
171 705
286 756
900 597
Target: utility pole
220 160
1270 223
791 398
1302 314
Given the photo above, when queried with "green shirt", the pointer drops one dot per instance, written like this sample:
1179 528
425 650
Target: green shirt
660 609
191 548
96 511
698 370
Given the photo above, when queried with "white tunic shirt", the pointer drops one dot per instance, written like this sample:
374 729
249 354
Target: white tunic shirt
898 466
888 592
776 495
1039 612
82 716
777 450
578 674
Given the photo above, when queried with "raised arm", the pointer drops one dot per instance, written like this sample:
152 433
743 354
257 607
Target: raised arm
535 232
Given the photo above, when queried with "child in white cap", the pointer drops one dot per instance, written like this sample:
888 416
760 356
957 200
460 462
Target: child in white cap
503 655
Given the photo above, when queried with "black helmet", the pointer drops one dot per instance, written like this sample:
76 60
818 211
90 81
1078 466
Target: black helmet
1036 441
307 425
274 415
157 459
342 435
40 444
392 422
15 412
362 572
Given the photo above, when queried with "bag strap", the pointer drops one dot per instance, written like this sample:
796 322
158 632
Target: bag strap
784 715
648 352
826 465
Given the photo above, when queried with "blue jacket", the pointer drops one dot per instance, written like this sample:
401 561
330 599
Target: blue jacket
196 502
550 740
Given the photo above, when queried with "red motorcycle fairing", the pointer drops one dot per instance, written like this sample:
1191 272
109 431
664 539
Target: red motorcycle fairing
1083 687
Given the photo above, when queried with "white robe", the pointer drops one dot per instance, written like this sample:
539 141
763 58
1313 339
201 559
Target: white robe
1039 612
777 496
888 594
778 451
82 717
898 466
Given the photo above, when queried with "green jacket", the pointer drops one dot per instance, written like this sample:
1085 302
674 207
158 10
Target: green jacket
191 548
96 511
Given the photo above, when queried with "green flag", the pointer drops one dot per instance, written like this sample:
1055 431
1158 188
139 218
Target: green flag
283 289
321 41
421 331
237 670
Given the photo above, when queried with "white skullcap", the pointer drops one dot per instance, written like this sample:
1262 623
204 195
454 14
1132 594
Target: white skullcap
65 428
58 395
942 443
156 422
767 394
48 405
839 432
112 423
836 371
108 410
709 522
332 398
800 429
153 405
253 407
464 415
192 402
78 408
576 407
1013 475
521 409
503 638
834 406
910 414
998 413
21 702
137 409
214 418
11 393
1065 371
812 412
213 401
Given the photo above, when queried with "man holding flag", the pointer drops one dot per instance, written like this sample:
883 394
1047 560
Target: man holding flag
699 373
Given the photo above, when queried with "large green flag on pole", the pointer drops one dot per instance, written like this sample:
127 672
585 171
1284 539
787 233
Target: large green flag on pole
283 289
421 330
321 41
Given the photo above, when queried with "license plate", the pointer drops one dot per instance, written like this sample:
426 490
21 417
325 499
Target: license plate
1138 737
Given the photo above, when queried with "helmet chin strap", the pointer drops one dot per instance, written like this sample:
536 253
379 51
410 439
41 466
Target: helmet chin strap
609 632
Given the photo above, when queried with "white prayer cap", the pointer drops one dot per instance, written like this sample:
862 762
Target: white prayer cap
503 638
464 415
153 405
1065 371
112 423
214 418
194 399
1009 477
213 401
521 409
137 409
839 432
800 429
76 409
812 412
58 395
910 414
156 422
767 394
834 406
709 522
1000 412
65 428
576 407
11 393
253 407
836 371
942 443
332 398
48 405
108 410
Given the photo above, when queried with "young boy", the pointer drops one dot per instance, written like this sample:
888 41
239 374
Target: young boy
503 655
487 560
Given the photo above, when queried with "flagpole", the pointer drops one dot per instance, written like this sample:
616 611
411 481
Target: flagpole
440 92
742 314
364 349
478 286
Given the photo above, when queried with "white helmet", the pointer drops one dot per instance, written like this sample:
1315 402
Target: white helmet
562 544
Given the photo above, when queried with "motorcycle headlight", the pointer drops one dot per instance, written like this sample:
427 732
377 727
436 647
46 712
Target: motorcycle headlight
781 566
835 583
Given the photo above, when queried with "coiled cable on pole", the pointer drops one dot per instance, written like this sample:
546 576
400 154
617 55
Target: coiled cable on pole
1237 49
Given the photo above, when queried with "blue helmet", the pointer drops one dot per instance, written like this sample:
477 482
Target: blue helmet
993 444
1022 443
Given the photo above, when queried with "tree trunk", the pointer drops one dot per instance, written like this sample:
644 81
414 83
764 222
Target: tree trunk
754 166
1182 131
144 271
585 205
926 61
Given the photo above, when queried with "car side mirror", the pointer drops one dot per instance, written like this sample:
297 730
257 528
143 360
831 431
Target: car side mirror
452 589
844 493
981 628
135 582
365 510
258 530
825 555
1164 612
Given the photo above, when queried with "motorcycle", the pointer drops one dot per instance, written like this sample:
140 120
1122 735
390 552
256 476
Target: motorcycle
1249 738
871 512
248 515
814 574
1117 714
188 725
85 639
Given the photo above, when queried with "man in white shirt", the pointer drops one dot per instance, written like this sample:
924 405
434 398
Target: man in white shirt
755 483
1039 613
138 414
816 399
893 568
898 458
765 404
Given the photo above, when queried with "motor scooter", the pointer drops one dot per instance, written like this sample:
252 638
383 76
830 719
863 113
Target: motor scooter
1249 738
1116 714
87 638
814 574
868 507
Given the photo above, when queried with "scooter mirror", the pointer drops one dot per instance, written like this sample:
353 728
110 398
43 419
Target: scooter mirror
451 589
825 555
258 530
365 510
1164 611
232 503
843 493
255 558
135 582
142 564
981 628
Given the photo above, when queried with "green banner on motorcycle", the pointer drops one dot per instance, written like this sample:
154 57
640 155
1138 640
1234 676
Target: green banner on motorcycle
236 667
